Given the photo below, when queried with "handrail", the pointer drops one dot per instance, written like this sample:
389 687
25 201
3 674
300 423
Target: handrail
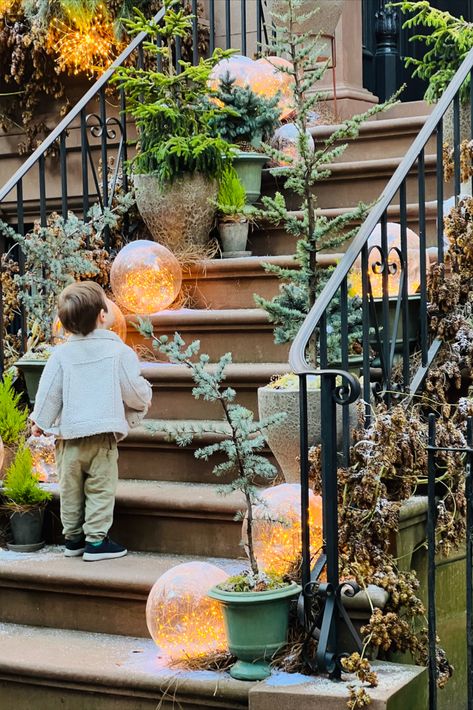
94 89
297 359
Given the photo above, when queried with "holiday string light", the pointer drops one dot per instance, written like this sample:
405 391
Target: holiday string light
145 277
83 45
181 619
5 6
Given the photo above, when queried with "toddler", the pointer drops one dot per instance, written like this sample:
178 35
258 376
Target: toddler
90 394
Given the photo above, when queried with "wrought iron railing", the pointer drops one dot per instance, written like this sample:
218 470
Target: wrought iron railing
82 161
386 339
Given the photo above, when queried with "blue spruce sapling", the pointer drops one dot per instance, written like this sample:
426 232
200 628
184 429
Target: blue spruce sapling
244 438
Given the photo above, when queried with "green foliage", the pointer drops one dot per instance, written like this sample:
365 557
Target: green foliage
248 117
231 198
171 109
447 45
244 436
13 418
314 232
247 582
53 258
21 485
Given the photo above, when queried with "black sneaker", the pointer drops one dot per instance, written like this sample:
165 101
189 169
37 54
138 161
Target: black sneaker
107 550
74 548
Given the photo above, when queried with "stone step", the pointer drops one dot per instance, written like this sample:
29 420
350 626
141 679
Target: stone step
172 388
77 670
173 518
151 455
270 239
109 597
245 332
356 181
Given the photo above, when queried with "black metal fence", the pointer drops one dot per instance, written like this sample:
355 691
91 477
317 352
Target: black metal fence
394 322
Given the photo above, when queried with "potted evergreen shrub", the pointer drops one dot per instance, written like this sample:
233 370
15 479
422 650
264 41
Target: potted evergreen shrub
256 605
248 120
25 499
13 420
232 214
179 159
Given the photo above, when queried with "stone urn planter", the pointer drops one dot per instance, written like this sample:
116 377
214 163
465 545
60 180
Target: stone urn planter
284 439
249 167
32 371
178 215
234 236
256 625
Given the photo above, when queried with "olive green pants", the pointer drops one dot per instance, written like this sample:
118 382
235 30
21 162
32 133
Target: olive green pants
88 475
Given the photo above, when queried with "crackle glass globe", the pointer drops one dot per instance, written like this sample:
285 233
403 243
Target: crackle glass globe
145 277
239 67
277 527
268 80
286 139
182 620
60 335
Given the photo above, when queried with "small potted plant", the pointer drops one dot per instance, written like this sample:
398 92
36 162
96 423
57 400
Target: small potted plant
26 501
13 420
233 214
256 605
179 159
248 120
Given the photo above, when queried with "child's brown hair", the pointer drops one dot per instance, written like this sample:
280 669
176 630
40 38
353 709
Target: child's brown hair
79 307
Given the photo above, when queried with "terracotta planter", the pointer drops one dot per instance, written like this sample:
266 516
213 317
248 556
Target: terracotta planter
180 215
284 439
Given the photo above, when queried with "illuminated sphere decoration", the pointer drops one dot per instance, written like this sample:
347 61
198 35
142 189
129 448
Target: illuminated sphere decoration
239 67
394 274
60 335
182 620
286 140
43 454
145 277
277 527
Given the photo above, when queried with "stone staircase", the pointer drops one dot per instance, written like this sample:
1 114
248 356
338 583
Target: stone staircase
73 635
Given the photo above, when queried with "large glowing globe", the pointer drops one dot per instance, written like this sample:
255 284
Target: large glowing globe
277 527
181 619
61 335
286 140
145 277
395 267
43 455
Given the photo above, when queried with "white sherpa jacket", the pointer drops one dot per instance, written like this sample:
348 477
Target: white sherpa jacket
91 385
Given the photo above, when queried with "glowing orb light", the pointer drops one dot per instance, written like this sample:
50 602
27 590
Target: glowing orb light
277 527
60 335
145 277
262 76
394 270
5 6
43 453
181 619
286 140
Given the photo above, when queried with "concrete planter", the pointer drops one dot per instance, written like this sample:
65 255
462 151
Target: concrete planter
283 439
256 624
180 215
234 236
27 530
249 167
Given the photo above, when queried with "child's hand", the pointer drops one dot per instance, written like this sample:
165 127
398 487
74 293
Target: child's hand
36 431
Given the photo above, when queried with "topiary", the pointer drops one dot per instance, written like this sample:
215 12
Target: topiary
21 486
13 418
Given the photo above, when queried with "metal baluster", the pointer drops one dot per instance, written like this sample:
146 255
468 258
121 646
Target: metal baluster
228 24
42 190
456 146
243 26
404 289
212 26
304 458
385 344
178 54
431 522
123 157
469 559
439 177
159 58
259 24
104 157
141 57
63 170
424 342
84 144
365 315
195 34
21 261
323 356
344 362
